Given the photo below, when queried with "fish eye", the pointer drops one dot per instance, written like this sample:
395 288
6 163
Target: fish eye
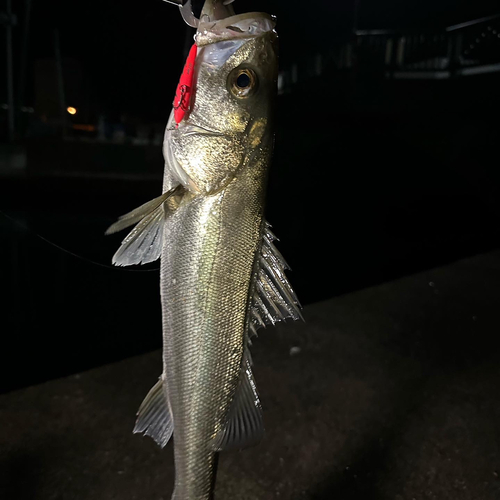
242 82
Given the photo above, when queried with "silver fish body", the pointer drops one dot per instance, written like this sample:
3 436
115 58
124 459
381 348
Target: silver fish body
221 275
206 283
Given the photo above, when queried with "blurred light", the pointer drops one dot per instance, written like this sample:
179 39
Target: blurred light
86 128
71 110
281 82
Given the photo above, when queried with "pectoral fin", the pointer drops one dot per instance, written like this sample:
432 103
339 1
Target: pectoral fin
153 417
144 243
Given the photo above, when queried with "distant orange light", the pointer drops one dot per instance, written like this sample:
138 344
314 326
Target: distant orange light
71 110
86 128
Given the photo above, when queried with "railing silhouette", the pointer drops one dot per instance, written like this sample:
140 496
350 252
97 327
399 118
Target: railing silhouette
463 49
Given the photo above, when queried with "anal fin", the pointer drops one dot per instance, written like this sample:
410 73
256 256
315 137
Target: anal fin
153 417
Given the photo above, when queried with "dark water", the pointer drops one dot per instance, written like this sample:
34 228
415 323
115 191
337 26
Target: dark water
357 194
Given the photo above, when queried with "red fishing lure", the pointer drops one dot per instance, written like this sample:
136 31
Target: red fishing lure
185 87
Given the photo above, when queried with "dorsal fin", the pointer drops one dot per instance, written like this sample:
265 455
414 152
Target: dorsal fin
274 299
244 425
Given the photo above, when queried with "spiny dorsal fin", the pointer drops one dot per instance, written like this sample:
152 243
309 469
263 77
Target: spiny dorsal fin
153 417
274 299
144 243
244 425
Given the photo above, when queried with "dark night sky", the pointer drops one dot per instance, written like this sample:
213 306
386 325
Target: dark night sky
132 52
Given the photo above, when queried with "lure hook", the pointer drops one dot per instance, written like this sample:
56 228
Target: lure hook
187 10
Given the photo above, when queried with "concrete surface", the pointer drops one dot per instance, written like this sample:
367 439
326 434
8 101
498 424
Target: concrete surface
387 393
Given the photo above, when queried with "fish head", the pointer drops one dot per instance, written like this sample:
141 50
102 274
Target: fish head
231 105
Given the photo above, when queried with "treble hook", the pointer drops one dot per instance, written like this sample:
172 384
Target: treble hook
187 10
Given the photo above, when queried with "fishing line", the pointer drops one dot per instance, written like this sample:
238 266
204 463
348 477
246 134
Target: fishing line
69 252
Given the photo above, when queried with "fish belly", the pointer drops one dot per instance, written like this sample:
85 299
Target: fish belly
211 243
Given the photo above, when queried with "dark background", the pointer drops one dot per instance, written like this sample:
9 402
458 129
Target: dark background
373 177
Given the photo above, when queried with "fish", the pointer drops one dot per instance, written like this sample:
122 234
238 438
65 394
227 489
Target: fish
221 275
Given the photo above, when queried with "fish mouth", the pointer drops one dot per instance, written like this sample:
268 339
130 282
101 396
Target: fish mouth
218 22
213 10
